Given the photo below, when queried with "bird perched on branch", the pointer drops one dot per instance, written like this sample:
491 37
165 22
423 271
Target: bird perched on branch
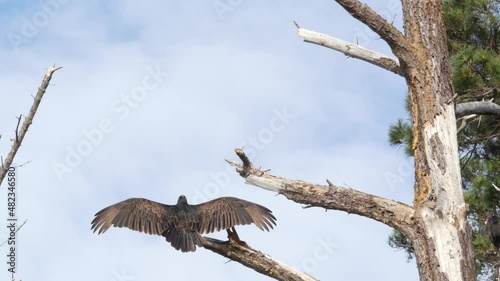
494 225
182 224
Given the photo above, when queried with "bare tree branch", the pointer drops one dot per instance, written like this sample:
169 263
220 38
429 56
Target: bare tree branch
16 143
477 107
239 251
395 214
479 140
396 40
465 121
351 50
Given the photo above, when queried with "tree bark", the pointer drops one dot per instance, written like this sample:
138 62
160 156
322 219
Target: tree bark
443 245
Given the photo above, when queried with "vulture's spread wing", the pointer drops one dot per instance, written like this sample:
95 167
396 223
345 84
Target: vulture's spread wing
182 224
226 212
135 213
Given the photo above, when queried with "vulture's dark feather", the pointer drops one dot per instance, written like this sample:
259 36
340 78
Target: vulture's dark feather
182 224
494 224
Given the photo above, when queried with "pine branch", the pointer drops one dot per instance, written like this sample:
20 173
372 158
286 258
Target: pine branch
395 214
27 122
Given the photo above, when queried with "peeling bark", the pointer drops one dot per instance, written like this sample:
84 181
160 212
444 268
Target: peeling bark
443 246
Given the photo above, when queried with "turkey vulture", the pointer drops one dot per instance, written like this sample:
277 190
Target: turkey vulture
182 224
494 225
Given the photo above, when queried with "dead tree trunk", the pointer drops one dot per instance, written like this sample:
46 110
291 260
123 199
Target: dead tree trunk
443 242
441 235
436 223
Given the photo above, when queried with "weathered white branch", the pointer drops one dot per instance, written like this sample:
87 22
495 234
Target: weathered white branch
271 184
477 107
351 50
393 213
240 252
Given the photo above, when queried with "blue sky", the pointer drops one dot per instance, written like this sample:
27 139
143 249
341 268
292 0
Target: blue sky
154 95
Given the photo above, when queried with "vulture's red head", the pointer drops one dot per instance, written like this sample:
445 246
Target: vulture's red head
488 218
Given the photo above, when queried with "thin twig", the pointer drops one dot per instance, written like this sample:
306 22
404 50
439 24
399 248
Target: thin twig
393 19
17 127
19 228
25 163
